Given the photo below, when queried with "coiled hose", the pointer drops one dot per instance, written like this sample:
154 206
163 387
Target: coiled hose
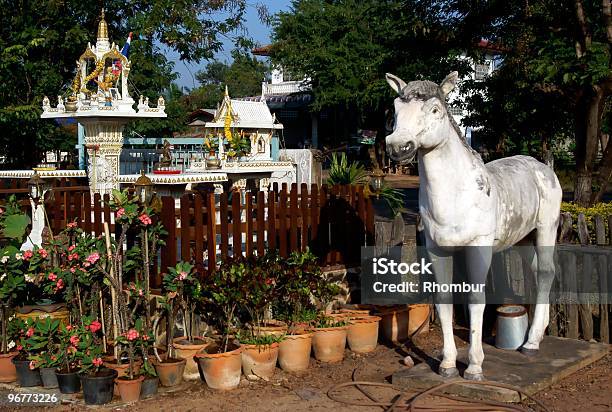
406 401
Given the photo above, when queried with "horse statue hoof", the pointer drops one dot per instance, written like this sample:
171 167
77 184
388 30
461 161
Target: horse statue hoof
448 372
473 376
529 352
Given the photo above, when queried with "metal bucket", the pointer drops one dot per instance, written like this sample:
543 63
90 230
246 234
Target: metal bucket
512 325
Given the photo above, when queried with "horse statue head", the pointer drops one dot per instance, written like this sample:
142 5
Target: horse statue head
421 116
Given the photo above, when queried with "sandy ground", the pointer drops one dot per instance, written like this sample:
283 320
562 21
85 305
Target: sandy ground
588 390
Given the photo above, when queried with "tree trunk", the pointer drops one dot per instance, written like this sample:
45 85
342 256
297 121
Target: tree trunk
587 129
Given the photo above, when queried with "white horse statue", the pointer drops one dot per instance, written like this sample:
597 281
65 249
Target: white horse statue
482 209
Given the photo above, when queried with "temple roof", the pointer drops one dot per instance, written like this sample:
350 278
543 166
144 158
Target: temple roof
245 114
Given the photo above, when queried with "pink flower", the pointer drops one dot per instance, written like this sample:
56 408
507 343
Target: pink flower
72 270
60 284
86 264
43 253
19 347
97 361
30 332
74 340
120 212
69 328
93 258
131 334
32 365
95 326
71 248
1 210
71 225
182 276
27 254
145 219
52 277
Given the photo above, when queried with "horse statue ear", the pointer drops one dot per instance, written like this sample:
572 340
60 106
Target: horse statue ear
395 82
449 82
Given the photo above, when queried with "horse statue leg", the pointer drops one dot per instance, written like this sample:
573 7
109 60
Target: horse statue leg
478 262
442 265
544 260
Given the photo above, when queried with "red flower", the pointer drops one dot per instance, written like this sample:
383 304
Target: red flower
52 277
43 253
74 340
97 361
145 219
71 248
19 347
120 212
71 225
69 328
30 332
60 284
27 254
93 258
131 334
95 326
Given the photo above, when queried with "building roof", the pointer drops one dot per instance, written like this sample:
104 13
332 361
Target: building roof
245 114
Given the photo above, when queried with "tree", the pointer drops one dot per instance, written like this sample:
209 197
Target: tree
558 73
344 48
41 40
243 77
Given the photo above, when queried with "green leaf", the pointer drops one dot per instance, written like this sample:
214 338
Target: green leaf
15 226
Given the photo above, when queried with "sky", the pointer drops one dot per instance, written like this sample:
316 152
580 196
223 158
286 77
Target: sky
256 29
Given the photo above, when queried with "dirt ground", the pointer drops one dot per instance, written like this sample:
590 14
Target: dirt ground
588 390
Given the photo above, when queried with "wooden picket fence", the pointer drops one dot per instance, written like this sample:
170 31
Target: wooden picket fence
332 221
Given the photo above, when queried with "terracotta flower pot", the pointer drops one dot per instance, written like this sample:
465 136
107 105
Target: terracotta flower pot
170 371
294 352
362 335
271 327
328 343
129 389
221 370
259 361
186 350
121 368
394 323
418 314
8 373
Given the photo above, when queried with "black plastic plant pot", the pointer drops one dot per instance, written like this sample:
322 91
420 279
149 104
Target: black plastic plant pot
98 388
26 377
68 382
49 380
149 387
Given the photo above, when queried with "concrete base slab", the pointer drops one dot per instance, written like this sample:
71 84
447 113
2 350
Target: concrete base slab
557 358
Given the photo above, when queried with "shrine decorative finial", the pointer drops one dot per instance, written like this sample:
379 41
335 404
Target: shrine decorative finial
102 27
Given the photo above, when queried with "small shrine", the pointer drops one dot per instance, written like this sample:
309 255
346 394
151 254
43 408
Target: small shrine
239 143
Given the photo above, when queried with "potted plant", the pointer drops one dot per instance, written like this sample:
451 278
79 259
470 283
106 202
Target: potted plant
28 373
329 338
183 294
67 371
239 145
221 361
260 343
97 381
150 384
211 143
130 385
13 225
46 338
